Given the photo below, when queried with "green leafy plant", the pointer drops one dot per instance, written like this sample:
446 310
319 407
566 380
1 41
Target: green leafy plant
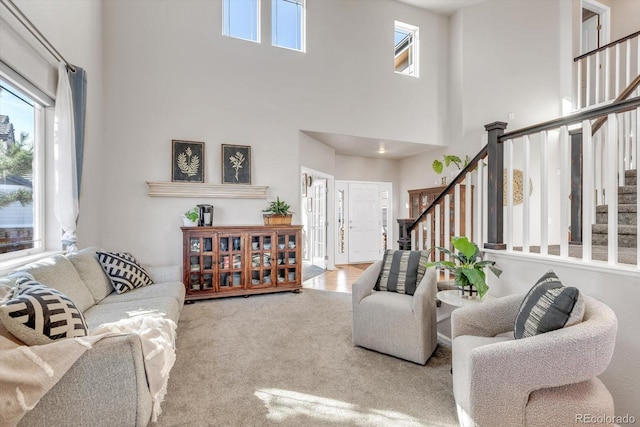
192 214
278 207
467 265
439 166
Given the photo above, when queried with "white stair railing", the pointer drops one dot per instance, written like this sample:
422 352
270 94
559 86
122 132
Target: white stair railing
539 178
602 73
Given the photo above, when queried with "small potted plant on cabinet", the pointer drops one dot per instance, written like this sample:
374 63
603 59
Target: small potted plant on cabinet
190 218
278 213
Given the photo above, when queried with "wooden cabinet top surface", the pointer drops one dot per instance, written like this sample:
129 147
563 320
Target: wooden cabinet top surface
257 228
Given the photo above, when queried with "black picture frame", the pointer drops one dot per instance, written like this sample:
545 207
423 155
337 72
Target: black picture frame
236 164
187 161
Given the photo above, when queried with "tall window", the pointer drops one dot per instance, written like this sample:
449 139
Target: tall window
20 196
240 19
405 60
287 20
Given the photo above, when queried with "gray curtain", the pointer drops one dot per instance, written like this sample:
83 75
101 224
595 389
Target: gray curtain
78 83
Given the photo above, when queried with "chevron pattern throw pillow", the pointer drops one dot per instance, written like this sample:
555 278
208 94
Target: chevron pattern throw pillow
38 314
124 271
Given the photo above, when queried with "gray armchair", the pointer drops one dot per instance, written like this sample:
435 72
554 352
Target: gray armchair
393 323
544 380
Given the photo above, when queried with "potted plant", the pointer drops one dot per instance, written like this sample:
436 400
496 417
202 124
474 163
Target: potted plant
190 218
438 166
467 266
278 213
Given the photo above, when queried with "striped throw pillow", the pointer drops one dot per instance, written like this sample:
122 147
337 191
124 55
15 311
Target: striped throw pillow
401 271
548 306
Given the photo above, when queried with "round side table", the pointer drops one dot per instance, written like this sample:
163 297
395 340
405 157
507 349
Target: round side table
453 297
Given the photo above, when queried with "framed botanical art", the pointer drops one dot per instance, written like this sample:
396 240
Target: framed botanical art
187 161
236 164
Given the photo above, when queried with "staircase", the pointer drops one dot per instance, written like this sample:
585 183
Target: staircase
627 215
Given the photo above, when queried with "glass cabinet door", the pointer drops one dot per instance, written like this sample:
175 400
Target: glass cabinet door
230 262
287 257
262 262
200 264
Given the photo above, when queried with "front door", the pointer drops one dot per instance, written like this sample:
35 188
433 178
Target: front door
365 227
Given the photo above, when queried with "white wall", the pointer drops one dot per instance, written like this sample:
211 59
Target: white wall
170 74
624 18
505 57
75 29
619 290
316 155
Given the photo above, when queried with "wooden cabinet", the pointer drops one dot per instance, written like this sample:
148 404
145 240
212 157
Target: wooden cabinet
420 199
241 260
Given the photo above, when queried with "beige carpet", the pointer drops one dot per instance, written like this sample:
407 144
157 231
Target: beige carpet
287 360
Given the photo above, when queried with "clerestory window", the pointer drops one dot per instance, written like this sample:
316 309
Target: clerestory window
288 24
405 60
241 19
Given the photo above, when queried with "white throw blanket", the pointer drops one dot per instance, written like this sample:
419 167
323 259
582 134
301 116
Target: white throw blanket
28 373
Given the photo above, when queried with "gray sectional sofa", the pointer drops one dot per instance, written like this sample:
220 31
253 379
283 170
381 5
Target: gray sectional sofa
107 386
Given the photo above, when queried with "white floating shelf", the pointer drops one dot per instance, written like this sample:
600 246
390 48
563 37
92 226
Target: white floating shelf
196 189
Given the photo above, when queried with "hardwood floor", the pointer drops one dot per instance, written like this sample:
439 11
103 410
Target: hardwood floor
338 280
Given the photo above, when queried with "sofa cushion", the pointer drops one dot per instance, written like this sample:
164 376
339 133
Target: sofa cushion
58 273
124 271
38 314
548 306
401 271
174 290
86 263
165 307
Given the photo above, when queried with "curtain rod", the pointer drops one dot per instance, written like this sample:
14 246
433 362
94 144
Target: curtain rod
15 11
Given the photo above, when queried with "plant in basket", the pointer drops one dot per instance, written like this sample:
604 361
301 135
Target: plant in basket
277 213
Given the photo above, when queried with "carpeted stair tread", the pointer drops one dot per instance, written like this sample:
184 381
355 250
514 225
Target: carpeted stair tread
627 214
622 229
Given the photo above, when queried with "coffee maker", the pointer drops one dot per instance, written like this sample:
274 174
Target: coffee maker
205 215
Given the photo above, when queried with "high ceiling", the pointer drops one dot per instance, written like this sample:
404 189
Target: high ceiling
444 7
346 145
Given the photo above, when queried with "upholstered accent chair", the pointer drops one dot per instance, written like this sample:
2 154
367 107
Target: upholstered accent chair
393 323
542 380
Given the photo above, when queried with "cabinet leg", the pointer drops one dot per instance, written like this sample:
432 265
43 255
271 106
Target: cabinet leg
296 291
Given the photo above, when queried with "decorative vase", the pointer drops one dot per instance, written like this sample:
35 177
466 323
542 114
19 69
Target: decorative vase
188 223
469 291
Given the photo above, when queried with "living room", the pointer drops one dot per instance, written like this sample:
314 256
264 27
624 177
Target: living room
159 71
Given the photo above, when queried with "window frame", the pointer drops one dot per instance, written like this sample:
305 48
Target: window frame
257 22
414 48
41 102
303 26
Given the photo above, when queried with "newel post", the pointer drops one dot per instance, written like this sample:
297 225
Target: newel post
576 186
495 208
404 236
